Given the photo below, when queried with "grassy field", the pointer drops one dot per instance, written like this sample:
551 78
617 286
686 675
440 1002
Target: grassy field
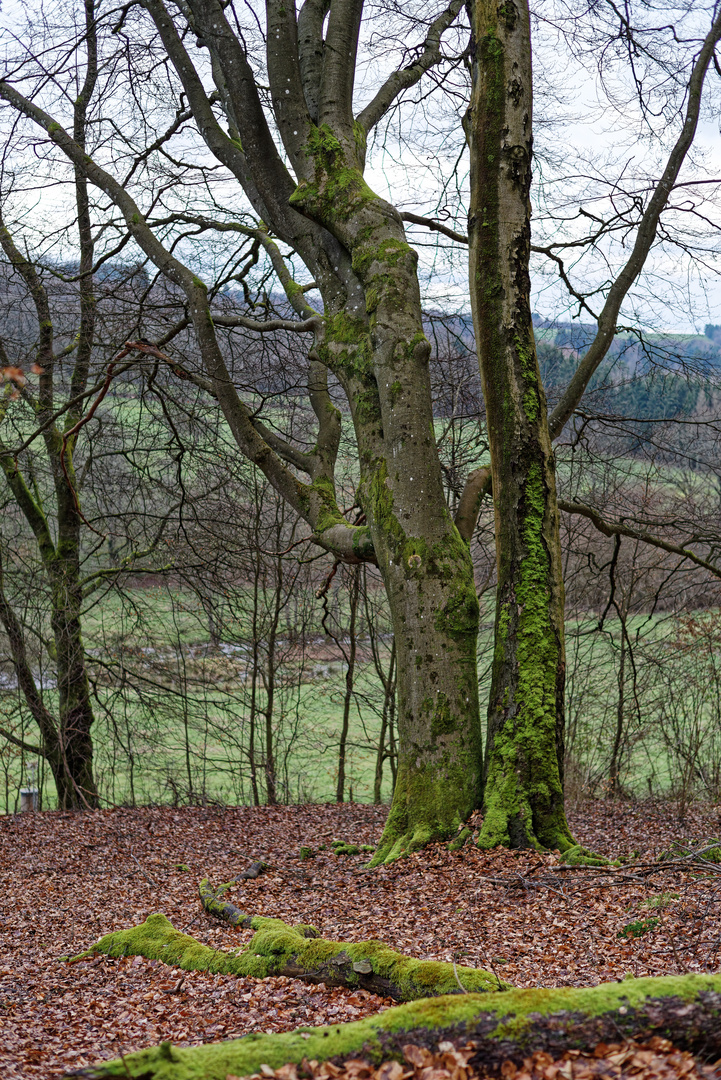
165 751
179 730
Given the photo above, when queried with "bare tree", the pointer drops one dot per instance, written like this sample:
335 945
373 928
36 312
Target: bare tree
298 156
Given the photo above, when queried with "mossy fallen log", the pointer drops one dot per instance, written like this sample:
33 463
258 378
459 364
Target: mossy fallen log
501 1026
298 952
214 903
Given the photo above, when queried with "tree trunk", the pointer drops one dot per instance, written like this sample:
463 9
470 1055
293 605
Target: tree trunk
388 681
615 766
350 659
439 747
523 797
71 760
377 349
504 1026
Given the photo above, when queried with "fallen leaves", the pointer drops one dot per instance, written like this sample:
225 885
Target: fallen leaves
67 879
448 1063
656 1059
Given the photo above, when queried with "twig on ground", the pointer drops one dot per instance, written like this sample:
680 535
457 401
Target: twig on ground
455 974
146 876
287 870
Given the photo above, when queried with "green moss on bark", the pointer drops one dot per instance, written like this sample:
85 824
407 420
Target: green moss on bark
429 804
524 795
338 191
277 949
500 1015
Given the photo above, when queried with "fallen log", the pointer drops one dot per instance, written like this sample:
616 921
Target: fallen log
298 952
255 869
500 1026
213 902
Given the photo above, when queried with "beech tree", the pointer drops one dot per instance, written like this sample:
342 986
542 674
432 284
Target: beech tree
298 158
274 107
523 803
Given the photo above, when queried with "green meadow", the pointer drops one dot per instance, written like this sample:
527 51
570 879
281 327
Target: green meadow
177 726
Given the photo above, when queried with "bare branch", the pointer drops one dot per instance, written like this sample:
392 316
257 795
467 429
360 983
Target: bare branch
619 529
402 80
644 239
308 326
434 226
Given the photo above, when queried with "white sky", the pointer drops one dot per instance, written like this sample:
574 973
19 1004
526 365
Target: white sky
407 182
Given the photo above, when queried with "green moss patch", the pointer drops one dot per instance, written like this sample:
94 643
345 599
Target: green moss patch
279 949
508 1018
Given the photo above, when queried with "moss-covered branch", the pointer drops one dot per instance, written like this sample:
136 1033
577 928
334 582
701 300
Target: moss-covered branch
213 902
298 952
502 1026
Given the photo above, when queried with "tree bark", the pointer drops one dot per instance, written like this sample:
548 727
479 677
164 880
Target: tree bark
299 953
500 1026
350 660
523 795
71 756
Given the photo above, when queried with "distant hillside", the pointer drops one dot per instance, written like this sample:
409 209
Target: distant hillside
700 352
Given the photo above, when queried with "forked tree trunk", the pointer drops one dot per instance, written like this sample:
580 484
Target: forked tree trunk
377 349
523 797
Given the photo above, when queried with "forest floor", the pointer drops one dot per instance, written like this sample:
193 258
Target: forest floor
66 879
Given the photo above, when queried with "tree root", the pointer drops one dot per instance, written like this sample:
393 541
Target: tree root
581 856
295 951
212 901
502 1026
394 846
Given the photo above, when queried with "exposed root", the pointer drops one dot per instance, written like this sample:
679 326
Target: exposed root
581 856
460 840
295 951
255 869
499 1027
396 848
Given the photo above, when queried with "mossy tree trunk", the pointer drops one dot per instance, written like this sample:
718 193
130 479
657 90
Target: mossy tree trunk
523 795
66 741
524 763
377 349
